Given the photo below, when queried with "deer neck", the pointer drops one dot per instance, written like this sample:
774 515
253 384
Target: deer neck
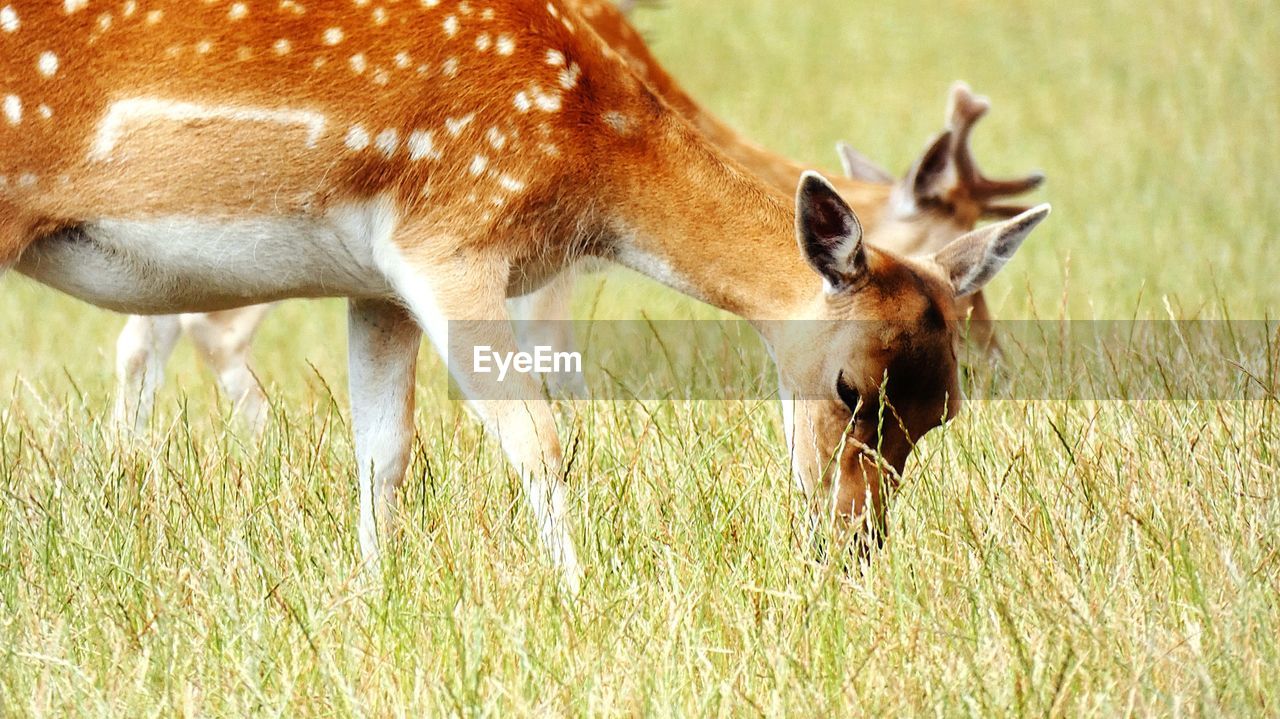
699 224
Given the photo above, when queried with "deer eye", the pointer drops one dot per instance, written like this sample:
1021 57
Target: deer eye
848 394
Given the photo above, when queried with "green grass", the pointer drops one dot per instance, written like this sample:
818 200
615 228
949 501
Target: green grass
1048 558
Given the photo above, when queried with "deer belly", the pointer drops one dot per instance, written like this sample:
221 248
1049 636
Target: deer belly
167 265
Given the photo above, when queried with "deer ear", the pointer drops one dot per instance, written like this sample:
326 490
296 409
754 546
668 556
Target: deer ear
829 233
934 171
858 166
973 259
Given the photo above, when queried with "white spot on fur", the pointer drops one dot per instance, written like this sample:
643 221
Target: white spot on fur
484 41
333 36
422 145
380 16
497 140
130 8
455 127
121 112
104 21
430 3
387 141
618 121
506 45
9 19
380 77
282 46
358 63
154 16
48 63
522 101
238 11
204 46
488 14
44 111
28 179
478 165
555 58
71 6
450 26
293 6
357 138
569 76
552 9
403 60
13 109
450 67
510 184
547 102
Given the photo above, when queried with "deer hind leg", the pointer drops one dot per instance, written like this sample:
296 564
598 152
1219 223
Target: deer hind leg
461 304
142 349
223 341
543 318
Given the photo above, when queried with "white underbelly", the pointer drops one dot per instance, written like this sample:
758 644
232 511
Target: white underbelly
200 264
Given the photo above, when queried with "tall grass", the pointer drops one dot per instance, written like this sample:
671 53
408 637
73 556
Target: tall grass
1045 557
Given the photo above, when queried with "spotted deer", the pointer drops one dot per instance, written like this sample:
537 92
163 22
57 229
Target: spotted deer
942 196
427 160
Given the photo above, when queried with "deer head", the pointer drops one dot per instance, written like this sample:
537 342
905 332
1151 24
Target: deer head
873 367
944 193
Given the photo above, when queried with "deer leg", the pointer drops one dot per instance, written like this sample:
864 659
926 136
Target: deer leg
142 349
543 318
382 355
223 340
461 304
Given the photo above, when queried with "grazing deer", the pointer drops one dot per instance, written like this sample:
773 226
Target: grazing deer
428 160
941 197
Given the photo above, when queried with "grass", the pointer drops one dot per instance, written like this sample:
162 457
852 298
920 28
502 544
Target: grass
1045 557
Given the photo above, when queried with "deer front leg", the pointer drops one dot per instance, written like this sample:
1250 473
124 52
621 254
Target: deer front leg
223 340
382 355
142 349
461 303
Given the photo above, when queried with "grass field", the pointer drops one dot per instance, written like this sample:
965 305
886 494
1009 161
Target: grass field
1045 557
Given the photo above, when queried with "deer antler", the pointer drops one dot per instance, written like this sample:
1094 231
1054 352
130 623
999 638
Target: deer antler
964 109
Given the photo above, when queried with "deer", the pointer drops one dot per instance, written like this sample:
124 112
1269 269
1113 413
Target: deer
940 197
427 161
